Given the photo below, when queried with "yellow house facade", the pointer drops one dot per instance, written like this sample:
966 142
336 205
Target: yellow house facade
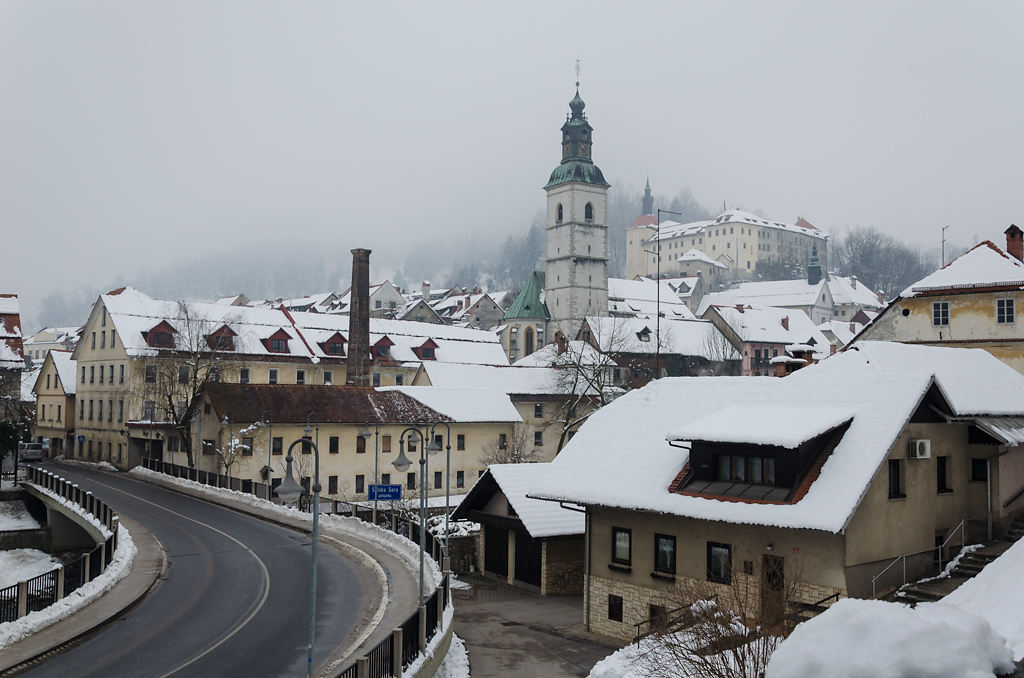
55 401
973 302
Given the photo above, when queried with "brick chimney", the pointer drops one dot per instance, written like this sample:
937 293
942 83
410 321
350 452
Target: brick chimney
358 372
853 281
561 342
426 291
881 298
785 322
1015 242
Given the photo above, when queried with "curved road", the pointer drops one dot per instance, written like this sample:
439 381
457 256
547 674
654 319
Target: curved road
234 601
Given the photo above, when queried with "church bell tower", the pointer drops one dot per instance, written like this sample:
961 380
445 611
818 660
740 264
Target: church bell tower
576 274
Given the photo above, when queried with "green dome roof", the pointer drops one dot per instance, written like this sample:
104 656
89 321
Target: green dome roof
577 169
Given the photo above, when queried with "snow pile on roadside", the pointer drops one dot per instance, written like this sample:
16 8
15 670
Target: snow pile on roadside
14 516
997 594
856 638
18 565
103 465
457 584
407 550
456 662
119 567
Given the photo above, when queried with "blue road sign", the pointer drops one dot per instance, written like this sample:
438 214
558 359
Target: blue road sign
385 492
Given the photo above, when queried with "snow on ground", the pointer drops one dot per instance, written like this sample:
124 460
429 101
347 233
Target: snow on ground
856 638
456 662
118 568
997 594
14 516
457 583
22 564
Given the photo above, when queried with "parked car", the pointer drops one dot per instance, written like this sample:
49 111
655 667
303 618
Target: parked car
30 451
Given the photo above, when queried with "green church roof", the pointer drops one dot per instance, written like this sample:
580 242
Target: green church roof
529 303
577 169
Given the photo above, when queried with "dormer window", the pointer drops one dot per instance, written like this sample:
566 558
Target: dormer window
161 336
335 345
222 340
426 350
382 349
277 342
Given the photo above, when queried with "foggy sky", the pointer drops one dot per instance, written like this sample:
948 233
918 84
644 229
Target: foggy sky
135 134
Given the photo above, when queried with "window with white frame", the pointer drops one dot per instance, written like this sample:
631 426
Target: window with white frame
1005 311
940 313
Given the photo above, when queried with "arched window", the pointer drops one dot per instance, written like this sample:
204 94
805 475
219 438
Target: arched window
588 212
558 214
528 335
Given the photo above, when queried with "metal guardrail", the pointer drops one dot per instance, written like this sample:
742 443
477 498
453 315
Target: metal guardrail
41 591
937 551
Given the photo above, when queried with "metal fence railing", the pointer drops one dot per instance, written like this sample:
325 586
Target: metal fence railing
43 590
210 478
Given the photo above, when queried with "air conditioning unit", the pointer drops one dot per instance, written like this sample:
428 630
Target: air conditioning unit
919 449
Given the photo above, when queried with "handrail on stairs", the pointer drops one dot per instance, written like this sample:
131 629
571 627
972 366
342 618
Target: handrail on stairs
963 540
1013 498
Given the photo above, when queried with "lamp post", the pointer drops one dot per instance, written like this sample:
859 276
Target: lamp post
270 447
402 463
435 446
657 308
289 491
365 435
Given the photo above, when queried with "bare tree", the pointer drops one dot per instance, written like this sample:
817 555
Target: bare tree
229 453
15 416
720 631
517 448
878 260
179 375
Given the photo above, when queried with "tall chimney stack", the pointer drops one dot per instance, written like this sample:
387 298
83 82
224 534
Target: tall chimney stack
358 364
1015 242
425 291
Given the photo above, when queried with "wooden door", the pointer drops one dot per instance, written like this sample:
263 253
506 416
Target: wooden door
773 589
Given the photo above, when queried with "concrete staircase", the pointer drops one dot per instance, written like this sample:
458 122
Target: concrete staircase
969 565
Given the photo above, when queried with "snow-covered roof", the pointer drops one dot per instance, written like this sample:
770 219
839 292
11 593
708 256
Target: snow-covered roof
462 405
780 293
670 229
577 353
9 304
540 518
767 425
1010 430
134 313
640 298
510 379
880 388
843 330
856 638
678 337
848 290
697 255
766 325
65 367
997 594
982 266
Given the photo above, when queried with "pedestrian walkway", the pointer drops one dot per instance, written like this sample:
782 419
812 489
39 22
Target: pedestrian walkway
511 632
148 566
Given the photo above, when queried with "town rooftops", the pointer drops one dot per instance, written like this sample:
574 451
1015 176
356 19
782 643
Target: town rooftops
678 337
540 518
529 303
511 380
880 387
640 298
778 293
292 404
983 266
671 229
773 325
65 367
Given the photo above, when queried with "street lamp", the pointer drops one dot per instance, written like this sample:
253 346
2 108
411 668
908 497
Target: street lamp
402 463
435 446
365 435
289 491
657 277
270 447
